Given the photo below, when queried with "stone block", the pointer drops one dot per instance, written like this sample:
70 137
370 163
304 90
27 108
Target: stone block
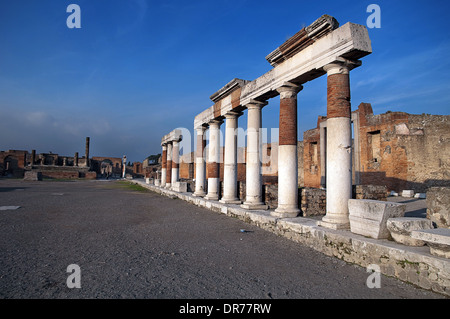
369 217
180 187
32 176
408 193
420 195
438 206
401 228
437 239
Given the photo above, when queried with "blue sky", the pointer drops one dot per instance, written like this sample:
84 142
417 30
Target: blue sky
138 69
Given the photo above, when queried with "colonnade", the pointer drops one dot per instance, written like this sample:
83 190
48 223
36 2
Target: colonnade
170 163
321 48
339 183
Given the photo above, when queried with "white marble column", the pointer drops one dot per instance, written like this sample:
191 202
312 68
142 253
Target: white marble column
287 153
213 165
175 162
339 155
200 169
169 166
230 160
163 166
253 182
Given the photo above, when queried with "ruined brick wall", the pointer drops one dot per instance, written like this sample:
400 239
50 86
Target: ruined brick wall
186 167
427 145
13 162
404 151
311 158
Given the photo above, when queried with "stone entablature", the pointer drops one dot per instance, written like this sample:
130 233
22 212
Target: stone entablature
345 44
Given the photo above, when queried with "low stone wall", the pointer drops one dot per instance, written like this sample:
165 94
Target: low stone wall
438 206
374 192
313 201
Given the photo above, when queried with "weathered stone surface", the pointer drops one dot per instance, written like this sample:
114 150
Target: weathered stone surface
408 193
401 228
438 206
32 176
180 187
369 217
438 239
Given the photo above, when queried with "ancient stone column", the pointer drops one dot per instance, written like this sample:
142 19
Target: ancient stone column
169 165
87 151
287 153
33 157
163 166
339 143
230 160
213 165
200 163
75 159
175 162
124 166
253 180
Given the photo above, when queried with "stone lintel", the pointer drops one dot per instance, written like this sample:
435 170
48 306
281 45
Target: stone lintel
302 39
174 136
346 44
227 89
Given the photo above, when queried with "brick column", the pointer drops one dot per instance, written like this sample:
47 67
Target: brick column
253 179
169 165
339 142
213 165
200 163
163 166
287 153
230 160
175 162
87 152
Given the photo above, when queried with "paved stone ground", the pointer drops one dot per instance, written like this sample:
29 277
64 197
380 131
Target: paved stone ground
138 244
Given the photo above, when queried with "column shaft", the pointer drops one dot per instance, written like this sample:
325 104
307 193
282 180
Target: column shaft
163 166
339 155
230 160
287 153
200 163
253 180
169 166
213 165
175 162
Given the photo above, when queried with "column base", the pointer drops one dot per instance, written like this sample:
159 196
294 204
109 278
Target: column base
199 194
230 201
212 197
285 212
168 186
255 206
332 224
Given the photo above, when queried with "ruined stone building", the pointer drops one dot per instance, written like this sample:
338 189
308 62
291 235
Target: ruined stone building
16 163
346 152
395 149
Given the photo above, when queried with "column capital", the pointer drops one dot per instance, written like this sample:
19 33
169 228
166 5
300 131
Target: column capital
341 66
215 123
256 104
232 114
336 68
164 147
201 129
289 90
